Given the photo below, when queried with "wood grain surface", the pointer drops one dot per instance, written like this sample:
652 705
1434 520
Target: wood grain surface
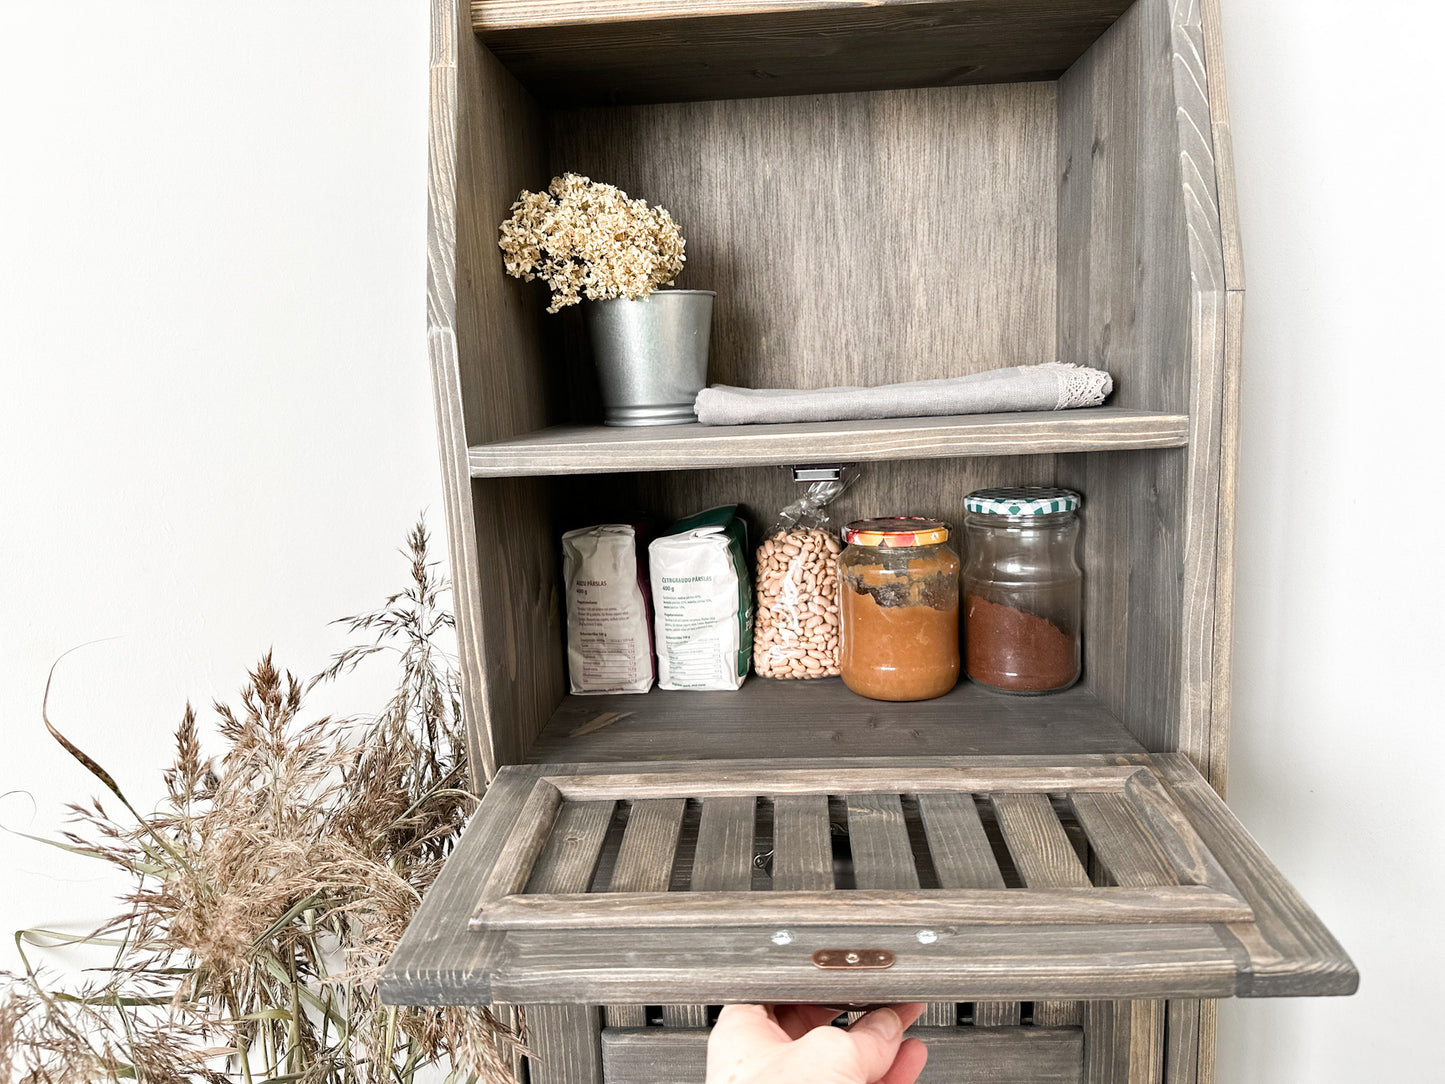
823 719
852 239
624 51
598 449
955 1056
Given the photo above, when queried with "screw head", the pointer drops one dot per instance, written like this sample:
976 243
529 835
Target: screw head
782 937
927 937
852 957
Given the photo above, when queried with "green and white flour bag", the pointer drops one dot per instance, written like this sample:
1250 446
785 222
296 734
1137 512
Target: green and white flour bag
702 602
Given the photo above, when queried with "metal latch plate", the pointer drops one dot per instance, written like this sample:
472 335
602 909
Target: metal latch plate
853 959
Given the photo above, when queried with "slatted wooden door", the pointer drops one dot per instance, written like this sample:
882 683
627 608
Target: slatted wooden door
987 880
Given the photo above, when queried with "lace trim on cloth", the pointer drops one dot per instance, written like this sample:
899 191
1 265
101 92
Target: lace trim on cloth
1079 386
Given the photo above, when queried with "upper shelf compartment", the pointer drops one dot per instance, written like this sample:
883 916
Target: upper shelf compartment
625 52
595 449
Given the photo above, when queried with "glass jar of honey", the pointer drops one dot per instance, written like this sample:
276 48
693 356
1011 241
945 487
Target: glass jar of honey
899 604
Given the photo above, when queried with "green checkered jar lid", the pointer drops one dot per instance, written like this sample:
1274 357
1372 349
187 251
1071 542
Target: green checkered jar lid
1021 501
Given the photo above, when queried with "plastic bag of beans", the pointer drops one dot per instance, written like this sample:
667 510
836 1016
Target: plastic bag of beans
795 634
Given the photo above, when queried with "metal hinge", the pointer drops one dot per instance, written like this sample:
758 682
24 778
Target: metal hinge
853 959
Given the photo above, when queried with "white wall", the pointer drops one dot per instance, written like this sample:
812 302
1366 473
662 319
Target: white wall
215 427
215 414
1338 642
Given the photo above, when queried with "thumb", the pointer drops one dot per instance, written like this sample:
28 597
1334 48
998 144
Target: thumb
859 1055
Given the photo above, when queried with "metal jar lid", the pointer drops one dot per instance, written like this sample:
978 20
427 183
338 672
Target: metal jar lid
1022 501
896 532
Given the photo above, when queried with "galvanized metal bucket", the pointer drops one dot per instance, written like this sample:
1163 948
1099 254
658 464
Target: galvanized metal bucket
651 355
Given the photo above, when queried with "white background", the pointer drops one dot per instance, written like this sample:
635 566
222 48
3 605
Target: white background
215 428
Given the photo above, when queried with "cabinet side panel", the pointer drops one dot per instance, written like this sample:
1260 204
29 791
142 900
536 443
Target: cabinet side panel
511 661
851 238
1141 294
519 567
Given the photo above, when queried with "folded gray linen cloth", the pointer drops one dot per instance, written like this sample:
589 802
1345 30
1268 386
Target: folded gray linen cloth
1054 385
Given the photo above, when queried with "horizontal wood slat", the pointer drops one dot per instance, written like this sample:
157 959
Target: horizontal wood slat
744 963
658 908
603 450
703 781
1127 851
955 1056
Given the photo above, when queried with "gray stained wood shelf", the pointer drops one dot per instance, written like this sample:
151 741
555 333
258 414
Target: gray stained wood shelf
793 720
633 51
599 449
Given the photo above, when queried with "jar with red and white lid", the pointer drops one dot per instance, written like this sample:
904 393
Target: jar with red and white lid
1022 589
898 586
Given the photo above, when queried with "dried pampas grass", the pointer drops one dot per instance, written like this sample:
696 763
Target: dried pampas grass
272 885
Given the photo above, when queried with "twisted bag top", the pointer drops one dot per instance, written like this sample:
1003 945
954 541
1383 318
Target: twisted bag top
1055 385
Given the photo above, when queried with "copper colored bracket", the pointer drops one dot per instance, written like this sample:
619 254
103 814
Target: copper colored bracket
853 959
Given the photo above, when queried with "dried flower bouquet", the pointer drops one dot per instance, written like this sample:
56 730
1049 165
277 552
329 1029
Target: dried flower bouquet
586 239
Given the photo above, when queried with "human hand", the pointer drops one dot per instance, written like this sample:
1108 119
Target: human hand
786 1044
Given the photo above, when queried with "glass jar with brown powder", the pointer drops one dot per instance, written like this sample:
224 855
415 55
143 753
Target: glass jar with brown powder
899 604
1021 589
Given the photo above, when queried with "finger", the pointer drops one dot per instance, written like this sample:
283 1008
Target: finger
798 1020
909 1013
875 1038
747 1025
907 1064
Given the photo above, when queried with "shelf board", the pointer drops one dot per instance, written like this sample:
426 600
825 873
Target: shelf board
600 449
785 719
620 52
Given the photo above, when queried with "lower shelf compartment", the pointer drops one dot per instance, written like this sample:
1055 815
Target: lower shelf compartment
955 1055
822 718
1009 878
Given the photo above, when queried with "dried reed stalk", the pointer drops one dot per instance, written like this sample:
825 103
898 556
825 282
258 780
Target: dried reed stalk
271 885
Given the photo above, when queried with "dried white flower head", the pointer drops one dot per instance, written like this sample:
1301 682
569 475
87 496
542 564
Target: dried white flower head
590 240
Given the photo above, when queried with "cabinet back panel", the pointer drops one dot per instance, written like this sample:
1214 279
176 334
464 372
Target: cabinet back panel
851 238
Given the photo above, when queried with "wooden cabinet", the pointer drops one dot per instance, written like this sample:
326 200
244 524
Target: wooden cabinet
877 191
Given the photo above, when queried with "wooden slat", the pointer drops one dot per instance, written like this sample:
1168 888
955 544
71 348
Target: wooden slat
1045 858
723 861
626 1016
1125 1042
578 449
962 857
996 1014
622 910
570 856
802 844
878 836
685 726
565 1044
955 1056
1181 1052
514 864
706 782
1174 834
1128 852
684 1016
743 963
1040 849
1294 953
649 843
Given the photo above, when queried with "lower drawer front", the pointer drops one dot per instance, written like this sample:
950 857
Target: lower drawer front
1023 1055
